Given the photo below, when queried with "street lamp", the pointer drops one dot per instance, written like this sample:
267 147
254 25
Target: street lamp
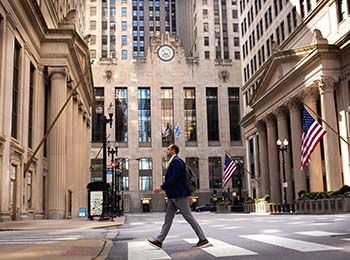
239 164
105 121
115 181
282 146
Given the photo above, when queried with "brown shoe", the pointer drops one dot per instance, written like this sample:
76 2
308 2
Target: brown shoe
201 244
155 243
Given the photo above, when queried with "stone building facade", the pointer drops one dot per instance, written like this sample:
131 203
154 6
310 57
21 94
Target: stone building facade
43 57
182 87
299 59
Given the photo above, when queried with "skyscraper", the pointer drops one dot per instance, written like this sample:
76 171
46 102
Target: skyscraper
171 69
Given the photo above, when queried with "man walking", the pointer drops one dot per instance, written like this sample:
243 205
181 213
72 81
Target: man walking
178 198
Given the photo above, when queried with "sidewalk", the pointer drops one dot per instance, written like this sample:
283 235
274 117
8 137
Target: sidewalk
74 249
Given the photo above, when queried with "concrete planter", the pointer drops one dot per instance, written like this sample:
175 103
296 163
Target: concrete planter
332 205
259 207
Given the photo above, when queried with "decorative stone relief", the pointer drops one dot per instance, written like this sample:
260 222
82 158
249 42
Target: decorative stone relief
318 38
224 75
325 84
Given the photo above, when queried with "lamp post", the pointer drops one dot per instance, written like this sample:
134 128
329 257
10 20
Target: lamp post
114 151
105 121
282 146
239 164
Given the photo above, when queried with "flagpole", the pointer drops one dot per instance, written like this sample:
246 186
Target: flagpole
245 170
319 117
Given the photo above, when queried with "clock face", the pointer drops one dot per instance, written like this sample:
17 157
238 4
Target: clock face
166 53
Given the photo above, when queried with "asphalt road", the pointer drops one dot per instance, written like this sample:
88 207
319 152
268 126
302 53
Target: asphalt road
237 236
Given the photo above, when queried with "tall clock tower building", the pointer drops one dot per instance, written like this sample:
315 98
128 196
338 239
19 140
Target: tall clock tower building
171 71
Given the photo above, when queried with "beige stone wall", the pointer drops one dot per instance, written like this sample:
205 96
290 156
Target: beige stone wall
42 190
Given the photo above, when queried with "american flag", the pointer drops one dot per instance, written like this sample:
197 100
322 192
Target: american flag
230 168
312 135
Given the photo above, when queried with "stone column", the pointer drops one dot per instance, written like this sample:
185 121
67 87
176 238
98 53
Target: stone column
283 134
315 165
296 132
275 181
331 139
263 160
57 144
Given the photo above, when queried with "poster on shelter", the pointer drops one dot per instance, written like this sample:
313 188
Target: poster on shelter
96 201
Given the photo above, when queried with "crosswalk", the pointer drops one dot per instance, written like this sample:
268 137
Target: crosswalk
142 250
37 240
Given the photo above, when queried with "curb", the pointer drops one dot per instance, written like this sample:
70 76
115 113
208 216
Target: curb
103 254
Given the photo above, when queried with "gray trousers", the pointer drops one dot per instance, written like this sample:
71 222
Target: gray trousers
184 207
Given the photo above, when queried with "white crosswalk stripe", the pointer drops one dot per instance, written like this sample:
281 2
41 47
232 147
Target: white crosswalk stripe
221 249
319 233
143 250
32 240
298 245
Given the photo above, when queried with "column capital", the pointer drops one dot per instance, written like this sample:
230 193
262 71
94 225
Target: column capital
311 94
260 125
325 84
280 112
294 104
269 120
54 72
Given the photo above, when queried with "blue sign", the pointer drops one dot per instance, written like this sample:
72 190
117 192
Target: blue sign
82 212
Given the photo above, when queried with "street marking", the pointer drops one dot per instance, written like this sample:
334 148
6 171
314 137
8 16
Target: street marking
294 244
143 250
217 225
296 223
346 239
320 224
319 233
136 223
271 231
222 249
224 228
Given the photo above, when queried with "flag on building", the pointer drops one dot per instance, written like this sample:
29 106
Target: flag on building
230 168
312 135
165 132
177 131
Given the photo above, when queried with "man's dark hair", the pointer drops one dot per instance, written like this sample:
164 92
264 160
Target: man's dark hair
176 148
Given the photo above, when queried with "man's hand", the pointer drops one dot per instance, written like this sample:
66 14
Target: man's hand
190 200
157 190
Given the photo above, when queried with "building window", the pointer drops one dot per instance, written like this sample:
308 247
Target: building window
236 41
124 40
190 115
92 10
15 89
92 25
302 8
234 14
124 174
341 7
234 113
124 54
124 26
207 55
144 116
294 16
237 55
206 41
167 116
165 165
205 13
97 122
251 158
205 27
215 172
192 162
121 115
235 27
96 169
31 105
212 114
145 174
124 11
